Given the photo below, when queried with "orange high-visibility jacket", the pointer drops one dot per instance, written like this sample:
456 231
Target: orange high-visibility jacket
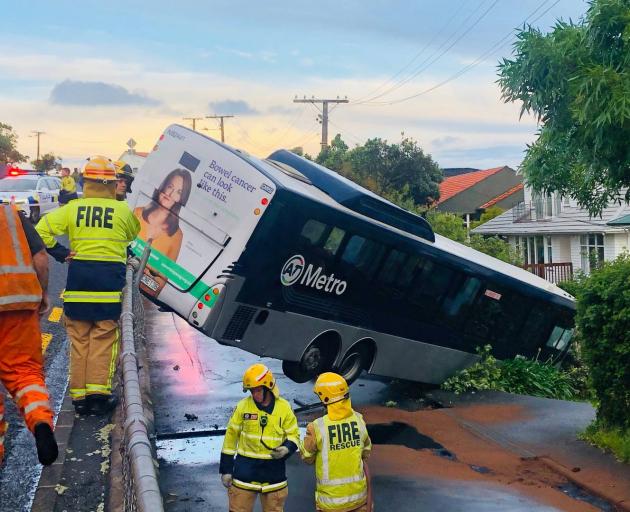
19 286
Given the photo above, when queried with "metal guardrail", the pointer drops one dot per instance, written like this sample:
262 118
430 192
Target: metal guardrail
141 489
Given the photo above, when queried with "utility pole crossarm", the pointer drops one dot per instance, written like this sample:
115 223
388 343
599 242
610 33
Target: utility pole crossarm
194 121
324 117
221 118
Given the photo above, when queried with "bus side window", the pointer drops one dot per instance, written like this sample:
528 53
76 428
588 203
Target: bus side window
429 287
391 268
313 232
363 254
457 303
334 240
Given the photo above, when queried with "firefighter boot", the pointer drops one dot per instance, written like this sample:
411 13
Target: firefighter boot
47 450
101 404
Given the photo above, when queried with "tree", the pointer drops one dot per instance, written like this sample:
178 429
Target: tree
45 162
386 167
576 80
448 225
8 141
333 156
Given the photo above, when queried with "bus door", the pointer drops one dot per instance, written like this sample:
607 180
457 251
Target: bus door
194 199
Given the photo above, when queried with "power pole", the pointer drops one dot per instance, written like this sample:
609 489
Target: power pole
37 134
194 121
324 115
221 124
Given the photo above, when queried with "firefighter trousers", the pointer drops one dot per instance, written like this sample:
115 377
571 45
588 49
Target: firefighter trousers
241 500
93 353
22 371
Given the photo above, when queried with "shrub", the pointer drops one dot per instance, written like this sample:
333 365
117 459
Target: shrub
518 375
603 320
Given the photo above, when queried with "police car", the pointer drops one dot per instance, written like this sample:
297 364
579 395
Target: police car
33 193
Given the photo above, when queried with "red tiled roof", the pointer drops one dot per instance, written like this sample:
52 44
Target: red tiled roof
501 197
455 184
142 153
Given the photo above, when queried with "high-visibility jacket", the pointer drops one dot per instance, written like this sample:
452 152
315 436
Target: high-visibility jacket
68 184
19 285
341 481
99 229
254 469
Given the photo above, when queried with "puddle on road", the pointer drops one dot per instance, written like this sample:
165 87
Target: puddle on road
577 493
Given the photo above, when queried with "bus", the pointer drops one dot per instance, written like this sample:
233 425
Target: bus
286 259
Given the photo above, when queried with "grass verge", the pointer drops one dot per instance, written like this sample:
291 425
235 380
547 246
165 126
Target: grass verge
613 440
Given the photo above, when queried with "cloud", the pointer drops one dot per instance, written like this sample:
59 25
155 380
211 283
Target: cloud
235 107
445 141
70 92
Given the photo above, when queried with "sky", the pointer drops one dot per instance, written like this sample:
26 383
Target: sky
94 74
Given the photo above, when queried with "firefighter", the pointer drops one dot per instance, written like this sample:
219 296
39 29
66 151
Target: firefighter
68 190
338 444
99 228
23 298
124 179
262 433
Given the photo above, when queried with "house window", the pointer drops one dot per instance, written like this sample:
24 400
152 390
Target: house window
543 206
535 249
592 251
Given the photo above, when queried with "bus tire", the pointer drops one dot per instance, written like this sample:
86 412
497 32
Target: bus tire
294 371
317 358
357 359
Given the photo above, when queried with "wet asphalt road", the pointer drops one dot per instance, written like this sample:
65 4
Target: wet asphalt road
21 470
196 383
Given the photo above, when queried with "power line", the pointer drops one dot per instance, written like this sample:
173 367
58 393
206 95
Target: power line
473 64
436 56
417 55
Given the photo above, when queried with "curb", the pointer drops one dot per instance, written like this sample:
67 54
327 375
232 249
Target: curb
46 494
570 475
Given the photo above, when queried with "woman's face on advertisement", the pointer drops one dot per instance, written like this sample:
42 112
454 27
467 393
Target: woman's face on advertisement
172 193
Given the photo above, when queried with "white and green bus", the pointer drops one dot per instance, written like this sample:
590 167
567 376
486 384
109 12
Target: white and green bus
286 259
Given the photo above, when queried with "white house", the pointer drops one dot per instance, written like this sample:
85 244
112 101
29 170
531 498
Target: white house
556 237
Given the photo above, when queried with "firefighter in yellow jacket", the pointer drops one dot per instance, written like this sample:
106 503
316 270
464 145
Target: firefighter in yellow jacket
99 228
261 434
337 444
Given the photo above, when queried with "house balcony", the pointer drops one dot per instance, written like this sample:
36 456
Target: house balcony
553 272
536 211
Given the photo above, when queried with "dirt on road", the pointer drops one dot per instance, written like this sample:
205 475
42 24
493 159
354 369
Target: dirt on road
464 455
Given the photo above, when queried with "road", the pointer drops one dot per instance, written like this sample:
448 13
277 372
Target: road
423 458
21 470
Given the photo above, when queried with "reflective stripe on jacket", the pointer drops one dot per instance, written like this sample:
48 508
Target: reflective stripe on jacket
244 438
19 285
341 482
99 228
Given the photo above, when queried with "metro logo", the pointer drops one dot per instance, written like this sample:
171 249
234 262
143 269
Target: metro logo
295 270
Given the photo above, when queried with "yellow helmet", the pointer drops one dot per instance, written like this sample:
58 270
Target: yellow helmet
123 169
331 387
99 168
259 375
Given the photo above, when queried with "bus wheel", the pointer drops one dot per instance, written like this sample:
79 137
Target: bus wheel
317 358
294 371
354 362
